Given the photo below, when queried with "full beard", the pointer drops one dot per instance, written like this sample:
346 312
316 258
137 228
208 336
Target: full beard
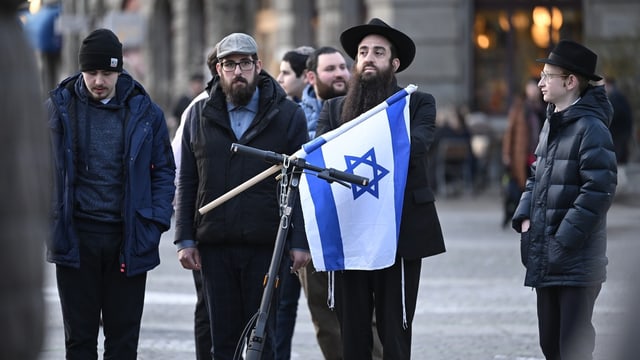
239 95
327 91
367 91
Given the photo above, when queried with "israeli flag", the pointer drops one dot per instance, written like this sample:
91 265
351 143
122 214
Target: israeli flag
357 227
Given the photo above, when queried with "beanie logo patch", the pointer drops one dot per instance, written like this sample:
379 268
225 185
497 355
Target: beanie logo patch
114 62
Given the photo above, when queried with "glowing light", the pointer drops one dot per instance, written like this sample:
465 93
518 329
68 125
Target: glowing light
540 35
483 41
520 20
34 6
556 18
541 16
503 20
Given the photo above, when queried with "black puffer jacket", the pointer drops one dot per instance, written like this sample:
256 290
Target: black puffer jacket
568 198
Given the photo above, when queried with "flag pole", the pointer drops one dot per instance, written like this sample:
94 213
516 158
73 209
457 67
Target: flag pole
308 148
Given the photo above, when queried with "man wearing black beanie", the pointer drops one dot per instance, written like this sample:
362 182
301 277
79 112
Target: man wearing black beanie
114 185
101 50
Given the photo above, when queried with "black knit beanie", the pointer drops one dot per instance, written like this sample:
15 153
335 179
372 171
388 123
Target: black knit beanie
101 50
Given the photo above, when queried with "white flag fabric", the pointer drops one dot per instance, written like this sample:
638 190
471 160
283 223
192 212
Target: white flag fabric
357 228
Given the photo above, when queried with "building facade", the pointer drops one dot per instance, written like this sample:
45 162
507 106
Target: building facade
474 54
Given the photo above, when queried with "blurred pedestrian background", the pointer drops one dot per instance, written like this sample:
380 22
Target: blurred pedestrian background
196 86
452 159
621 128
525 119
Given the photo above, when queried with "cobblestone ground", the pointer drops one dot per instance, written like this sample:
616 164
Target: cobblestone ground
472 304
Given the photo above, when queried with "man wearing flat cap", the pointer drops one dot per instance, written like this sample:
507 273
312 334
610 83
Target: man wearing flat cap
379 52
562 212
114 184
232 244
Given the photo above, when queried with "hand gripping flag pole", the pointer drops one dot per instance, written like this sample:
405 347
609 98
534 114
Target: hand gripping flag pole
309 147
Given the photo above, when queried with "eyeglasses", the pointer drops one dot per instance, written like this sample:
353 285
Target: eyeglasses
245 65
546 77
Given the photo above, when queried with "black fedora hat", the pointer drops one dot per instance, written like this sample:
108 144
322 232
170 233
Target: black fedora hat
406 49
574 57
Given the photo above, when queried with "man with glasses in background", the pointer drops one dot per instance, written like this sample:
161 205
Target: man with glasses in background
233 243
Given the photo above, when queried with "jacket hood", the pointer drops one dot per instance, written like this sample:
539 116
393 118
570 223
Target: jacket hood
126 86
594 102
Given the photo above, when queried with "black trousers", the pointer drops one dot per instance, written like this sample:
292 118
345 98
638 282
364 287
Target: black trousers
233 277
201 326
287 311
564 321
358 293
96 289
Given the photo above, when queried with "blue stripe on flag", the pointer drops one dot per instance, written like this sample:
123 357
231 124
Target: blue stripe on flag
326 215
400 142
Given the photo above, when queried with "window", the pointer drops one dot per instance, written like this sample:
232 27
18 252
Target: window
508 35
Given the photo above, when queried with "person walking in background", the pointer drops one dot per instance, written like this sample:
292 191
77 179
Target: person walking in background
114 184
293 79
380 51
25 219
562 213
232 244
525 119
201 328
196 86
451 160
622 124
292 76
621 128
328 76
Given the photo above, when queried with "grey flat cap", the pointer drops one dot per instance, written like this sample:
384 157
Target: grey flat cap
237 43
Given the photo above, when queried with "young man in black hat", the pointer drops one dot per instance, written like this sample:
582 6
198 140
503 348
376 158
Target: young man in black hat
562 212
379 52
114 174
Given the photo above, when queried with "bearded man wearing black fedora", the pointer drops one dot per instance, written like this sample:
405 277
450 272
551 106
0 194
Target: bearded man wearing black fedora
379 52
562 212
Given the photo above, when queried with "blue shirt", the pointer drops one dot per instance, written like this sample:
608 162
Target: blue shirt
242 116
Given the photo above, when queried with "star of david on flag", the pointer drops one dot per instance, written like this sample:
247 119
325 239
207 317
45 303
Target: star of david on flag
357 228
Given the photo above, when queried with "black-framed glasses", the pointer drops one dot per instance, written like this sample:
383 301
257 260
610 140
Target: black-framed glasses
245 65
546 76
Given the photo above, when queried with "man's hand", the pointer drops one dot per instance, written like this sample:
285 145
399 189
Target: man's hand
300 259
526 224
189 258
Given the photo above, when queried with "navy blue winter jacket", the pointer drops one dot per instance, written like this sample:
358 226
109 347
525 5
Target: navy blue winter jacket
569 195
149 172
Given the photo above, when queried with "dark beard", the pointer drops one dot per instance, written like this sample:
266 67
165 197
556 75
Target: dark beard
367 92
326 91
239 96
